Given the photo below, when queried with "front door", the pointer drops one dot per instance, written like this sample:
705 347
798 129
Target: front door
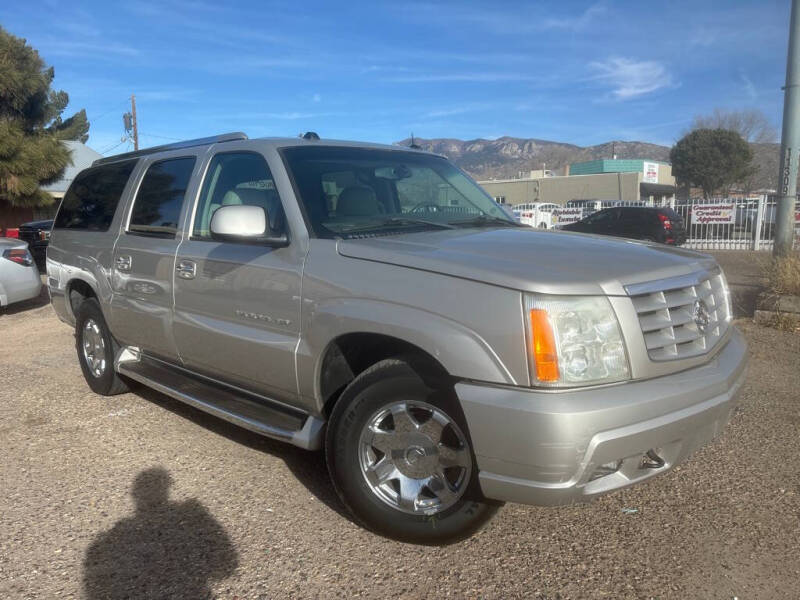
237 305
144 259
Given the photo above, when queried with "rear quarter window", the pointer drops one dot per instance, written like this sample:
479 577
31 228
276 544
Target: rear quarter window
93 197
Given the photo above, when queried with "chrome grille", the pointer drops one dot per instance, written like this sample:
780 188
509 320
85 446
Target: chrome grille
673 314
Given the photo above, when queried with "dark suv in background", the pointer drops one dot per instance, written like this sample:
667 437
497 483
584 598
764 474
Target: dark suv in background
37 234
662 225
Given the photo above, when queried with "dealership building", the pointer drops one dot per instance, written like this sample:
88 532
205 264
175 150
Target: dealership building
627 180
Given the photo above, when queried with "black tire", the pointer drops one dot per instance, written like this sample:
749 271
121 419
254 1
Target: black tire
109 382
380 386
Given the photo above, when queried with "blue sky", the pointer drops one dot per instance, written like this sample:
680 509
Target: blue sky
578 72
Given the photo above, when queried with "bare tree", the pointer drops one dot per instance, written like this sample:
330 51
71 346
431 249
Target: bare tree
750 123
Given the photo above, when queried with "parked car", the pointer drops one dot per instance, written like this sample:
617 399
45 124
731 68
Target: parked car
536 214
662 225
37 234
587 206
447 360
508 211
19 279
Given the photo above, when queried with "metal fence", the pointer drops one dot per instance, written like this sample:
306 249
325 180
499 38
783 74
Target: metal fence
731 224
717 224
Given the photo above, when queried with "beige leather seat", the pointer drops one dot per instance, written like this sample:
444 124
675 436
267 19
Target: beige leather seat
358 201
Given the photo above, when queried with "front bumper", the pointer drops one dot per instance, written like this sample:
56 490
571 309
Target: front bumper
548 447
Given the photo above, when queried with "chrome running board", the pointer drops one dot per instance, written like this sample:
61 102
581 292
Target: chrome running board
249 411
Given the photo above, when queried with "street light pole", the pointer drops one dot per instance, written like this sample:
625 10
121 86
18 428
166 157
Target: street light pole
790 142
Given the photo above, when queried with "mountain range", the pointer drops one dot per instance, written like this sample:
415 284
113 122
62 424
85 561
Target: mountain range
506 157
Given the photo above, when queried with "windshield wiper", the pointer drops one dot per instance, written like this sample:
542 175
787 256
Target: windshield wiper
392 221
482 220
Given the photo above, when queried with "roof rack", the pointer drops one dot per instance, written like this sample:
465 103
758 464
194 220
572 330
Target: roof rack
225 137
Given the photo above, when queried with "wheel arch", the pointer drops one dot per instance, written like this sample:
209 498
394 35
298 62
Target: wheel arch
372 330
350 354
79 290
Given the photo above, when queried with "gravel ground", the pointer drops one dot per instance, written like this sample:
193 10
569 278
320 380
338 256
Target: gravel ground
138 494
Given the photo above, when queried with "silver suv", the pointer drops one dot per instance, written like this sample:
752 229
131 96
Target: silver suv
375 302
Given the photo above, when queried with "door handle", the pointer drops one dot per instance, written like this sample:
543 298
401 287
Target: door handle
123 263
186 269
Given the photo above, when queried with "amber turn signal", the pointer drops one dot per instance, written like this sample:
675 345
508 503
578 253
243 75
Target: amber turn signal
545 356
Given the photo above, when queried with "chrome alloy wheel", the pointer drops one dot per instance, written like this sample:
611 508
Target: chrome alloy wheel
94 348
414 458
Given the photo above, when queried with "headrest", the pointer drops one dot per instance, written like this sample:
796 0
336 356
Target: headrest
358 202
251 196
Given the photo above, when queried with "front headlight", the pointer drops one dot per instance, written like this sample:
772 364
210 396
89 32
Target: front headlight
574 340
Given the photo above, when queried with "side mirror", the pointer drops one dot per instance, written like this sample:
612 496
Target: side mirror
244 223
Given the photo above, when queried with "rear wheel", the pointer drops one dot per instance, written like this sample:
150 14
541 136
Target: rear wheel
400 458
96 350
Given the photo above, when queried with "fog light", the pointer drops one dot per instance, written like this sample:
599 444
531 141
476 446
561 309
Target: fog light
606 469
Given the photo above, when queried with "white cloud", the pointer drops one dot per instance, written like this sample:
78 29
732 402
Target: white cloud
94 49
578 23
631 78
480 77
749 88
528 19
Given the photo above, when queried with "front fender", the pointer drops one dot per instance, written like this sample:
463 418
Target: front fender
461 351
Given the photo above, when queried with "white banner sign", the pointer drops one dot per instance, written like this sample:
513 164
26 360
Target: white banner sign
564 216
713 214
650 172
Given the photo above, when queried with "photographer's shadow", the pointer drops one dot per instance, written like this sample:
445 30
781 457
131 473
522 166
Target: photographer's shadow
165 550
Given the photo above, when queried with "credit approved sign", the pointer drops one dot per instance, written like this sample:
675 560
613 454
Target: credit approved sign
713 214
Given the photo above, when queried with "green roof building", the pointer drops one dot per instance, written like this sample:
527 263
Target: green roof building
611 165
624 180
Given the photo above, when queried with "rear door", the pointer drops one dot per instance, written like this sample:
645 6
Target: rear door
635 223
237 304
144 257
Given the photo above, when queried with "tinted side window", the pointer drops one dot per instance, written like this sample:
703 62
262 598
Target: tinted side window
92 199
633 215
160 198
603 217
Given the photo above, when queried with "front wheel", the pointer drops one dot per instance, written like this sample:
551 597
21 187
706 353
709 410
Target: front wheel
399 455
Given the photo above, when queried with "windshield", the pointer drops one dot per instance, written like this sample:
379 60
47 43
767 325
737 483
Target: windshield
358 191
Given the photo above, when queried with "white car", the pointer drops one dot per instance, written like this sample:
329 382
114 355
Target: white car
536 214
19 277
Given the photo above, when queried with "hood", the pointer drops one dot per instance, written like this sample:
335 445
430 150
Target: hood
45 224
544 261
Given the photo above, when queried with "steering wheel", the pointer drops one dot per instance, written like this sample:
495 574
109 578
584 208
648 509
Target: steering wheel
425 207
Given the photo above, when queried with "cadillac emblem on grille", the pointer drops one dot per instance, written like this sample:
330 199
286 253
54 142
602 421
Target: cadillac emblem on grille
700 315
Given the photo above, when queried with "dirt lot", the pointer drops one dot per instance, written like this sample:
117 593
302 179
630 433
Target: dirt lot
84 510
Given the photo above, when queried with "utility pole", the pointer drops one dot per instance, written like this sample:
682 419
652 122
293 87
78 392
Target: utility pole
135 124
790 142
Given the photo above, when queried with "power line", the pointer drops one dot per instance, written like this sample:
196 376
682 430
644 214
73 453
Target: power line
117 145
163 137
105 114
